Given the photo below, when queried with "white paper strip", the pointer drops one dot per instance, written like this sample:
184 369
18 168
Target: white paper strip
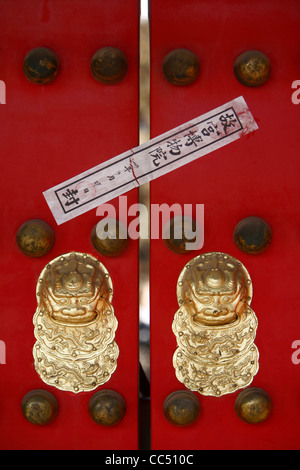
151 160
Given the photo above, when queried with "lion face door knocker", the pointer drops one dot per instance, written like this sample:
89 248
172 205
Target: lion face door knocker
215 327
74 324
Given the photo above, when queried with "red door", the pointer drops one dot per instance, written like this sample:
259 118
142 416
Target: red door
51 132
256 176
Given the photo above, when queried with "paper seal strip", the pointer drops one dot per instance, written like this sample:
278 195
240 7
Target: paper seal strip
151 160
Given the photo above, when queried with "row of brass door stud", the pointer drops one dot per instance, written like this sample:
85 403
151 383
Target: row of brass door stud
108 65
181 67
182 408
106 408
35 238
251 235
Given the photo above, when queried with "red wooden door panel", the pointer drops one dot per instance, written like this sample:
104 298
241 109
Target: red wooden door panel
256 176
50 133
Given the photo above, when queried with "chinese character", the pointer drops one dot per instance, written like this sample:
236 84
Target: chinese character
213 128
175 147
132 165
193 139
227 121
158 154
210 130
70 196
112 177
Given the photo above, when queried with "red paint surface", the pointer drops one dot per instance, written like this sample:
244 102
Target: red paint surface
257 175
47 135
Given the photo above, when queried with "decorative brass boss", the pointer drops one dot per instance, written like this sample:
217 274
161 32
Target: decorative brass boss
41 66
252 68
181 67
35 238
109 65
107 408
253 405
39 407
182 408
75 324
215 327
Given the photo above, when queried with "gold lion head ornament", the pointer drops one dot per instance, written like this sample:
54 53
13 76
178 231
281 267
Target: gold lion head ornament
74 324
215 327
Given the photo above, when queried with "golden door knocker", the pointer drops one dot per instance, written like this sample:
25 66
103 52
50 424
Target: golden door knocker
215 327
74 324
